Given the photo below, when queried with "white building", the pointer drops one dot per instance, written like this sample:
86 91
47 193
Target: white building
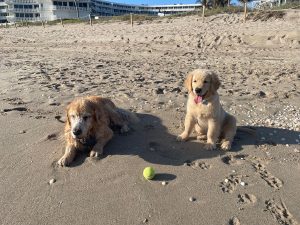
3 11
106 8
48 10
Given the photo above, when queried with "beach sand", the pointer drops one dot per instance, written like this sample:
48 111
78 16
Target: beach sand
143 69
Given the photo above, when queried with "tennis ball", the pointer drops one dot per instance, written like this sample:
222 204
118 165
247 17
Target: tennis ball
148 173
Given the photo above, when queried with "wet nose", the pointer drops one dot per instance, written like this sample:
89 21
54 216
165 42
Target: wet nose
198 90
77 131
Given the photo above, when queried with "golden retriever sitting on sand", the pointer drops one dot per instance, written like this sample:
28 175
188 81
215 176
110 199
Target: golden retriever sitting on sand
88 125
205 113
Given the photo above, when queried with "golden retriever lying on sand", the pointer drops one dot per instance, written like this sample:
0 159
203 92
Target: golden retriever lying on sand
89 122
205 113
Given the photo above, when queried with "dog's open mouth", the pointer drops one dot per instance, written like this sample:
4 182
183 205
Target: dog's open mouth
198 99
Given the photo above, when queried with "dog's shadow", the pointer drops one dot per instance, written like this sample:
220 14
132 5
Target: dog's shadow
151 141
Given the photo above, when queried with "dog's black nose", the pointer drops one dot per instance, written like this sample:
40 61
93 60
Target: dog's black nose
77 132
198 90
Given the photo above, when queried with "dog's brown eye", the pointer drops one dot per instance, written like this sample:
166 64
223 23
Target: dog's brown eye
85 117
205 81
72 116
194 81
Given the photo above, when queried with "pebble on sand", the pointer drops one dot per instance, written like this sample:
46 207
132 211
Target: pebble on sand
192 199
52 181
164 183
243 183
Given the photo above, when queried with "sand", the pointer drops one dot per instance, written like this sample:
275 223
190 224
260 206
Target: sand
143 69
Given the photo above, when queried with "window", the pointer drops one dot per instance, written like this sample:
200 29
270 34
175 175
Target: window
36 6
71 4
65 3
37 15
55 3
59 3
27 6
83 5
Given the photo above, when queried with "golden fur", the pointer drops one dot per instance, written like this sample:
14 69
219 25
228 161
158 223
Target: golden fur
93 116
206 115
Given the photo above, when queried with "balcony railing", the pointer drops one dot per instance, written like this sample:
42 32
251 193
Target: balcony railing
24 10
56 7
22 19
21 1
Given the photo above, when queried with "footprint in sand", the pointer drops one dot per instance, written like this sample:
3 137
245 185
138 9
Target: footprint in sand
231 182
271 180
234 221
200 164
247 198
20 109
280 212
234 160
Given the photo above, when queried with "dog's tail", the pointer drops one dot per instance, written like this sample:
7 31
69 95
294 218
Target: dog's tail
128 116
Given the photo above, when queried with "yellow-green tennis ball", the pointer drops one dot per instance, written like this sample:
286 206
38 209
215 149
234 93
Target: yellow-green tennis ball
149 173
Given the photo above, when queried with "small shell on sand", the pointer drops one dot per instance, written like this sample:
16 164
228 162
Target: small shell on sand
243 183
164 183
192 199
52 181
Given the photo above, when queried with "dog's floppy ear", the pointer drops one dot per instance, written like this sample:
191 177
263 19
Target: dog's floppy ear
98 112
188 82
215 82
68 123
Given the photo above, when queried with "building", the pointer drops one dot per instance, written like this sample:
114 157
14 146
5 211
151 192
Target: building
105 8
3 12
46 10
49 10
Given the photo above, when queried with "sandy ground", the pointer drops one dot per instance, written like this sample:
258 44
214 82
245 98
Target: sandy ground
143 69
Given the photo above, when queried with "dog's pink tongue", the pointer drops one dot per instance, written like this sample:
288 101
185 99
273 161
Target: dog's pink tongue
198 99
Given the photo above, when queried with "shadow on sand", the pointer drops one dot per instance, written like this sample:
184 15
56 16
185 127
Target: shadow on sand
151 141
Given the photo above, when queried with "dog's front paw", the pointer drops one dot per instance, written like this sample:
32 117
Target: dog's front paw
64 161
210 146
182 137
95 154
124 129
226 145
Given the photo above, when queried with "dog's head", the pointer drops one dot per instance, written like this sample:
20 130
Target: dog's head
202 84
82 115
